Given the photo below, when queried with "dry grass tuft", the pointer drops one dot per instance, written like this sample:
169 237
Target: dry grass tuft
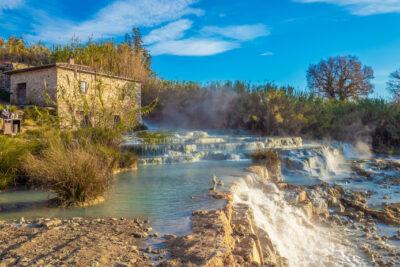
76 173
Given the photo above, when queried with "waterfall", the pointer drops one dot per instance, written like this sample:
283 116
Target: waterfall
324 162
294 236
333 162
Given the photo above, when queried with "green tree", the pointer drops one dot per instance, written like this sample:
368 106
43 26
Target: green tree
394 84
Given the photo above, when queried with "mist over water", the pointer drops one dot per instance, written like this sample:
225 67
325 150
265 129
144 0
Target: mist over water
359 150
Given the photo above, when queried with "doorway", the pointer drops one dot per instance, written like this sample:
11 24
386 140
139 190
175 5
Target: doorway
21 93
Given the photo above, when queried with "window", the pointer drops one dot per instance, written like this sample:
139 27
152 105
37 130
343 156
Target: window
83 87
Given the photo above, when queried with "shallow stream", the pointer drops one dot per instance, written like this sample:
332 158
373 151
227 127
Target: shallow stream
174 179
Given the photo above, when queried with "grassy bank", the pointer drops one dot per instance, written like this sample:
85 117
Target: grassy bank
76 164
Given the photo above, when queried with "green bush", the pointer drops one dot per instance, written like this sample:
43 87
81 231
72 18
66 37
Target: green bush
12 152
12 109
268 158
74 172
154 137
75 164
270 110
127 160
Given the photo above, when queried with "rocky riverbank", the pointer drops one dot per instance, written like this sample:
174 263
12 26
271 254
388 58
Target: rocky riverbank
230 236
226 237
74 242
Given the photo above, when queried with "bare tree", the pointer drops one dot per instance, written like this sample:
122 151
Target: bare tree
394 84
340 77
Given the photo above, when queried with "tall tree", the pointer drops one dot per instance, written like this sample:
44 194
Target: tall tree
340 77
394 84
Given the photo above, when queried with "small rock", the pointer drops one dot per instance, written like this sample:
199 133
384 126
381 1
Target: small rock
169 236
140 235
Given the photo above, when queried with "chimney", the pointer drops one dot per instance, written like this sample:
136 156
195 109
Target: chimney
71 60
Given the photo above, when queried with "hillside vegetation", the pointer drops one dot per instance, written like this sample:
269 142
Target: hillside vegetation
338 110
267 109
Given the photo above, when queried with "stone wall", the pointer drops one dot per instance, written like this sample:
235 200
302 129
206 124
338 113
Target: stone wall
70 100
64 89
5 80
36 81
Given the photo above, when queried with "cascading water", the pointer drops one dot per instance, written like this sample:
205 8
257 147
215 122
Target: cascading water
168 194
200 145
294 236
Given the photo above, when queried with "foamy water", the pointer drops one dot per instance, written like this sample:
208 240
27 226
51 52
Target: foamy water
294 236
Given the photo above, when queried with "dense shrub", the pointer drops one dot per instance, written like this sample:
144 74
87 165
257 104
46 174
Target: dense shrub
12 152
269 110
75 172
127 160
128 58
268 158
154 137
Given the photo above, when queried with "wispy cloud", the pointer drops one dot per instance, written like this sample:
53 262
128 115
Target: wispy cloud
238 32
268 53
363 7
10 4
115 19
172 31
193 47
210 40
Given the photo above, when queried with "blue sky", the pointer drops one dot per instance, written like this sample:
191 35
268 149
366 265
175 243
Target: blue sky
255 40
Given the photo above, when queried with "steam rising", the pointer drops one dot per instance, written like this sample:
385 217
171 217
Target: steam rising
359 150
203 110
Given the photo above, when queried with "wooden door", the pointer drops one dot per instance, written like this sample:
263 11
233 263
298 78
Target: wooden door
21 93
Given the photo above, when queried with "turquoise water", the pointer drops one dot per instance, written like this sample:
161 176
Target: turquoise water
161 193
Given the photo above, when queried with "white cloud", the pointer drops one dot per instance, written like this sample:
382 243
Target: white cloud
115 19
171 38
238 32
172 31
10 4
363 7
193 47
268 53
211 40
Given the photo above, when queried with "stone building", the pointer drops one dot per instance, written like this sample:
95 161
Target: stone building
8 65
76 91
